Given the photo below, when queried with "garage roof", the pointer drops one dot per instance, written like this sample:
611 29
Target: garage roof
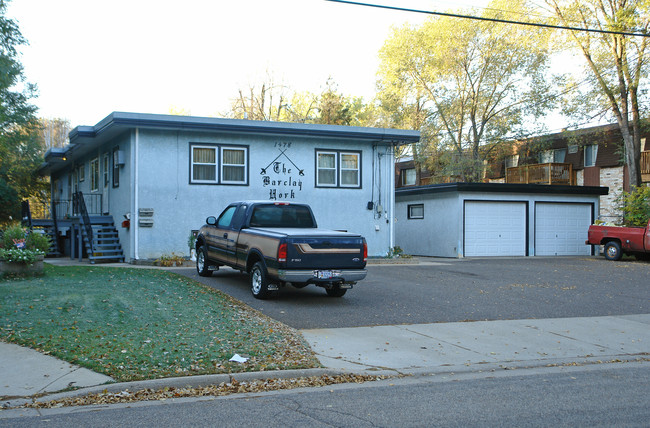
502 188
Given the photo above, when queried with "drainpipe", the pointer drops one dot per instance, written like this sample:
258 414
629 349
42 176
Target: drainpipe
391 191
134 211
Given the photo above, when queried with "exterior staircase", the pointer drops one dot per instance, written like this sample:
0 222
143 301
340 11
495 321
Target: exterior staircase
102 242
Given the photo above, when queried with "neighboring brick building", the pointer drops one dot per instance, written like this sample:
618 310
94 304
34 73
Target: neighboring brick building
585 157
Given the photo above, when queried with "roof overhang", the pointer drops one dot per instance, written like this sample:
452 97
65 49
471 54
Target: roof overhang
84 139
502 188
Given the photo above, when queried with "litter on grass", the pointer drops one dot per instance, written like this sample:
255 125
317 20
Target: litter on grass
238 359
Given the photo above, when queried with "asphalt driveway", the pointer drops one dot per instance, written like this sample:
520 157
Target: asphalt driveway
451 290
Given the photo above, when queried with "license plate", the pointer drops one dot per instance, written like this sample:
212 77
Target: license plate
324 274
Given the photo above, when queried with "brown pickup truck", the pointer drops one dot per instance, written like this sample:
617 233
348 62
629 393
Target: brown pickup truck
621 240
280 244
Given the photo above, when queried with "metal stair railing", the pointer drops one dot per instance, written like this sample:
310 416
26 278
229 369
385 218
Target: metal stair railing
55 238
80 205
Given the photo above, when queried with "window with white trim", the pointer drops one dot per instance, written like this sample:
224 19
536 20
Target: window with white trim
213 164
326 169
338 169
233 165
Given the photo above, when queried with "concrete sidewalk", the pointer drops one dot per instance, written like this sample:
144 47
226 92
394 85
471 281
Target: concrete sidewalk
406 349
447 347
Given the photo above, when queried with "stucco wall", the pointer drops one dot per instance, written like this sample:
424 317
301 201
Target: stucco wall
437 233
163 185
440 233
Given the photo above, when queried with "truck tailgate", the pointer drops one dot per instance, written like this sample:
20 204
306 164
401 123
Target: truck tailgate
325 252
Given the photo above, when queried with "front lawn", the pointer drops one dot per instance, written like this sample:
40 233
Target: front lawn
134 324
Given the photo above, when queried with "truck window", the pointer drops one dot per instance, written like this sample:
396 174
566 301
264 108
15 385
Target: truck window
226 217
270 215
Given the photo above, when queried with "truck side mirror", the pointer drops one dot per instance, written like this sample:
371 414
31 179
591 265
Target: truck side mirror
212 220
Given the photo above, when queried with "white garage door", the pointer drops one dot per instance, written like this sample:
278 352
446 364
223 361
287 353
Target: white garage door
495 228
561 229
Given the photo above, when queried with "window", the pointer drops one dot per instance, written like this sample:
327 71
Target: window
549 156
591 152
116 167
512 161
94 175
338 169
82 173
408 177
212 164
204 164
105 172
233 165
416 211
226 218
326 166
350 169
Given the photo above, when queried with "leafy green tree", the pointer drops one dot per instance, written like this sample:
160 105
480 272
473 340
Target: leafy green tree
20 151
467 83
616 62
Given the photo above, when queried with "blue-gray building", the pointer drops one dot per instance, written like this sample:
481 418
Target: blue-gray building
157 177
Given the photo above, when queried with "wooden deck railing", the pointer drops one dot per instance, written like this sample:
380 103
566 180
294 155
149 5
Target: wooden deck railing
543 173
645 162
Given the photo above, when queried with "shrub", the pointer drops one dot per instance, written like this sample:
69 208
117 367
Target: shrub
636 206
11 235
14 255
38 241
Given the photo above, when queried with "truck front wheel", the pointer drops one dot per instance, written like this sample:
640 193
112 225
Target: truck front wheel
202 262
259 281
613 251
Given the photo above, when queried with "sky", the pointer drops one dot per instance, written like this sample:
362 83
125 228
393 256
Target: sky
90 58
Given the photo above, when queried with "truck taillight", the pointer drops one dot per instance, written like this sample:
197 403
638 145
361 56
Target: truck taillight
282 253
365 251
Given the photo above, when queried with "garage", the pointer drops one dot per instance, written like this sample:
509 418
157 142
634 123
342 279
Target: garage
495 228
561 228
495 219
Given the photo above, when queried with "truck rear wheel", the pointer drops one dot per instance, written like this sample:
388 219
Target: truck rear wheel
202 262
336 291
613 251
259 281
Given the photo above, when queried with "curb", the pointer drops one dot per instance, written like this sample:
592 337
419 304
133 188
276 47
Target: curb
173 382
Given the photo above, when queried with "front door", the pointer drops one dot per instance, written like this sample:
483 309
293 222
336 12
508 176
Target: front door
106 181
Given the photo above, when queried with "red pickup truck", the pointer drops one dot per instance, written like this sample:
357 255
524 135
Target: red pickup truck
621 240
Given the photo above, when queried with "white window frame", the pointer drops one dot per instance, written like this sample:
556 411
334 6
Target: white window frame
221 164
218 164
215 164
338 169
357 169
319 168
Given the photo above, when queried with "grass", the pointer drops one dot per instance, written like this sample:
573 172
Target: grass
134 324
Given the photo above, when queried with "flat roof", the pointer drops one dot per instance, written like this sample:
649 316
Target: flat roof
501 188
123 120
86 138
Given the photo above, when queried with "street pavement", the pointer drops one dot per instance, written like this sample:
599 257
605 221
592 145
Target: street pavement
414 349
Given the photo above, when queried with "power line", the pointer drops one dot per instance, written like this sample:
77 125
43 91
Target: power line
502 21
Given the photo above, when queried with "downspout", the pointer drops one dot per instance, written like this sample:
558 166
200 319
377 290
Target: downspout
391 212
134 211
